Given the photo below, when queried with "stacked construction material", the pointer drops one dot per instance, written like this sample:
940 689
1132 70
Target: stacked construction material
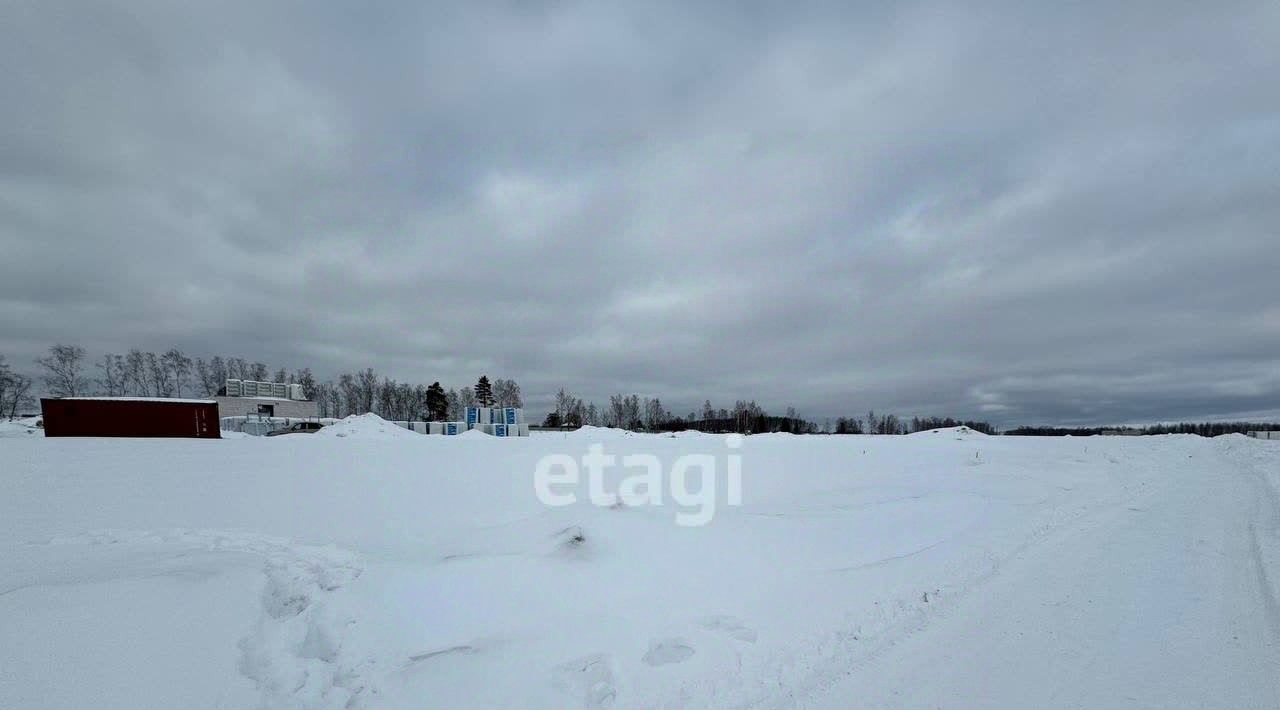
496 421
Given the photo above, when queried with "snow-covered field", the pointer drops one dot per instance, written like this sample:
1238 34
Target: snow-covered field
381 570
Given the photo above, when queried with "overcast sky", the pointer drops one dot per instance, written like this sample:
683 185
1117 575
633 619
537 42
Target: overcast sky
1067 213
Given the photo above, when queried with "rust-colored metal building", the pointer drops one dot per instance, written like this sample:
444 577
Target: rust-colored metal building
130 416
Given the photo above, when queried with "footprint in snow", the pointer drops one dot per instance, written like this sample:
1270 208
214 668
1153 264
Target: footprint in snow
590 678
666 651
730 625
572 543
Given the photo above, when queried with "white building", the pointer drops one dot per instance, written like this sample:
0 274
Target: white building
240 398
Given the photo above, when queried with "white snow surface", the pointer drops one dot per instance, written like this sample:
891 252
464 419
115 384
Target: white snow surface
20 428
381 571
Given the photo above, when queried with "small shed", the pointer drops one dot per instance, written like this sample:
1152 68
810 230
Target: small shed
131 416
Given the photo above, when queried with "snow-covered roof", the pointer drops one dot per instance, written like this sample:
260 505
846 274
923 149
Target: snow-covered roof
174 400
265 399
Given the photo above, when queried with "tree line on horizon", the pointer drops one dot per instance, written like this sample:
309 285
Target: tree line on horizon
15 391
361 392
172 373
636 413
1205 429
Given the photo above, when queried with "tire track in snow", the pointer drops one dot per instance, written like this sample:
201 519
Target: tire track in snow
1093 664
1258 462
800 674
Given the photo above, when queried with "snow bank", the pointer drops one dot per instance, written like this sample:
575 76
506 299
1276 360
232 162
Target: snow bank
365 426
598 433
689 434
960 432
20 428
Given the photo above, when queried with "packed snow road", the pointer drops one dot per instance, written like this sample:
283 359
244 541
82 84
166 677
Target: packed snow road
1165 602
380 569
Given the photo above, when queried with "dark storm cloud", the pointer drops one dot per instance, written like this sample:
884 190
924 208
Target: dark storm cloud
1051 214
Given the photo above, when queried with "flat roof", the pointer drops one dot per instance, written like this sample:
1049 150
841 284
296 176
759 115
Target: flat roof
174 400
265 399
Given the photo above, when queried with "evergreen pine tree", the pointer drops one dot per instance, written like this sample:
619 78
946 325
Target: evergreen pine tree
437 403
484 392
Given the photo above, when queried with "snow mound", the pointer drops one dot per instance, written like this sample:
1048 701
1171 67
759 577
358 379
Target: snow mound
365 426
688 434
473 434
598 432
960 431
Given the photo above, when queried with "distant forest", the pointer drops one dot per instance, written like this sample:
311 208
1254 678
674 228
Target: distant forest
1201 429
68 373
630 411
